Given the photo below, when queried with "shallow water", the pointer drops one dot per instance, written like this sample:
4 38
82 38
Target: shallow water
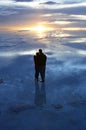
65 70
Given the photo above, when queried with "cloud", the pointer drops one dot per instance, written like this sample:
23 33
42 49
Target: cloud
6 13
68 10
23 0
63 3
70 2
49 3
18 16
21 15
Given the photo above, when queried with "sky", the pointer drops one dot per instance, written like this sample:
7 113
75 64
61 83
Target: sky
58 14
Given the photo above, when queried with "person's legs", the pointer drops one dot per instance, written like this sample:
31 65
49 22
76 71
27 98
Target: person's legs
42 73
36 73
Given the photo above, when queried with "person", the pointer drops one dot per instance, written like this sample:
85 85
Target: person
40 65
36 65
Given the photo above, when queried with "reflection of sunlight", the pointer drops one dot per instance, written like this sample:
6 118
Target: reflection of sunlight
82 52
41 35
52 34
32 52
79 40
74 29
13 54
60 34
39 28
61 22
63 35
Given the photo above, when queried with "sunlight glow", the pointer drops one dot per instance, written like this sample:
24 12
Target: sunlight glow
79 40
61 22
39 28
74 29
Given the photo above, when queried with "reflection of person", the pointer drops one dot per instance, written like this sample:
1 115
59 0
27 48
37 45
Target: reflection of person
40 65
40 95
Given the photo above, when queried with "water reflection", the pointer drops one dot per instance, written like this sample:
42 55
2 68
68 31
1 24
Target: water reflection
40 94
41 34
17 53
81 52
78 40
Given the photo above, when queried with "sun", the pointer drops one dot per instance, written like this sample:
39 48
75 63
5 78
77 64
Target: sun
39 28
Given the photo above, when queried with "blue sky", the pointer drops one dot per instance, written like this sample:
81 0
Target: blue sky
17 14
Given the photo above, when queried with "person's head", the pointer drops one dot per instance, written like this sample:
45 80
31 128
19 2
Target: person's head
40 51
37 53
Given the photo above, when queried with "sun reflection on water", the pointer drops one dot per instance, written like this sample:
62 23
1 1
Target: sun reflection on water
49 35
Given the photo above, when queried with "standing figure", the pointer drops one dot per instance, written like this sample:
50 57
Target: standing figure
36 66
40 65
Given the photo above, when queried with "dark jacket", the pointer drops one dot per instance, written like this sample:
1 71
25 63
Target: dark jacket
40 60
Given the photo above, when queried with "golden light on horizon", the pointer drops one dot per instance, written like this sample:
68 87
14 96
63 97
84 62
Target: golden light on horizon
39 28
74 29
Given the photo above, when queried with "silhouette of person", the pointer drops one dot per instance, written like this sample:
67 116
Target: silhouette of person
40 95
36 65
40 65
